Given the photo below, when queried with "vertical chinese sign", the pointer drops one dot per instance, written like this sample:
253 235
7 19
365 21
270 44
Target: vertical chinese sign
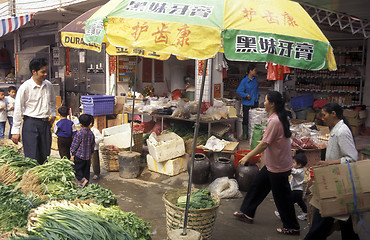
198 81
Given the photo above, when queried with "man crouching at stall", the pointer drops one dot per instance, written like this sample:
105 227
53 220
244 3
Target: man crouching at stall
82 147
36 101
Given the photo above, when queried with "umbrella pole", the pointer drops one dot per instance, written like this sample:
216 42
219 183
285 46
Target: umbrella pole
196 131
133 108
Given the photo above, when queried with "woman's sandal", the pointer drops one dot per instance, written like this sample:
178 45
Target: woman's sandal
242 217
288 231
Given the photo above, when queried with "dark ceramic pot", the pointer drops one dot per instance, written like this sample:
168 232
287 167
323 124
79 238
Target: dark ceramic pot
245 175
222 167
201 169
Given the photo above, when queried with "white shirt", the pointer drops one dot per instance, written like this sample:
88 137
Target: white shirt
341 144
10 103
98 137
296 182
34 101
3 111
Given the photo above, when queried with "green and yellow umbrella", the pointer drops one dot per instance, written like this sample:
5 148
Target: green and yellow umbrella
72 35
278 31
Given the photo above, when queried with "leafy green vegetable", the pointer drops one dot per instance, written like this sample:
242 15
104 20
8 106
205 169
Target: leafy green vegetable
14 207
139 229
199 199
65 220
94 192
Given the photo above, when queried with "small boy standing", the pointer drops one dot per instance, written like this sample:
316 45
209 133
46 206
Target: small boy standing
65 130
2 113
296 183
10 101
95 162
82 147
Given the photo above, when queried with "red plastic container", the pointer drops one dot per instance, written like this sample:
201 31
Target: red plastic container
239 155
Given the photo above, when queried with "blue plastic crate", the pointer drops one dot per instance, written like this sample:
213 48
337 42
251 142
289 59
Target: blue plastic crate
302 102
98 104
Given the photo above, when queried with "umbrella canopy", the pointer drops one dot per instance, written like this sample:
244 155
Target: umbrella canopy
72 35
278 31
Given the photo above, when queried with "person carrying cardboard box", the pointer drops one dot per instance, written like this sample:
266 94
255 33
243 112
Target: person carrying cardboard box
340 150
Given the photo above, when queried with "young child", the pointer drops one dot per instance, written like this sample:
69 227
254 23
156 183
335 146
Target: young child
82 147
65 130
95 162
2 113
296 183
10 100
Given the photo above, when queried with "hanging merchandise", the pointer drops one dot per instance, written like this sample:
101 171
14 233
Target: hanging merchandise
276 71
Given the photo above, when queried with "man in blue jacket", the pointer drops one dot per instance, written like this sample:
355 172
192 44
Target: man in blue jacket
248 91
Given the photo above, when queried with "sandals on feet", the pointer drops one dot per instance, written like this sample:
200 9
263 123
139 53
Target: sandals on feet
288 231
242 217
95 177
83 183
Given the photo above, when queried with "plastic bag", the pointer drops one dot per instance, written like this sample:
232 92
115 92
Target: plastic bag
225 188
257 134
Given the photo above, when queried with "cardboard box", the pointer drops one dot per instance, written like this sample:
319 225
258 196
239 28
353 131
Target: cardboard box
116 121
120 100
170 167
311 116
333 188
118 108
323 129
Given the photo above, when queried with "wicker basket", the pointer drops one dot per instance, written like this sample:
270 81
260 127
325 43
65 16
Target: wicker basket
201 220
138 142
110 157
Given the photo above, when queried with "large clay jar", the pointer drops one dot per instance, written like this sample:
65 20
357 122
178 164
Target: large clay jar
245 175
201 169
222 167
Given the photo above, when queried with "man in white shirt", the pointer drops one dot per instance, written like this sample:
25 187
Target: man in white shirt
36 102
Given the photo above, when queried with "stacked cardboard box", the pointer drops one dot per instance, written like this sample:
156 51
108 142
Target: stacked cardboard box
333 192
356 119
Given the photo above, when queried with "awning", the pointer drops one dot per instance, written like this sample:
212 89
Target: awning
13 23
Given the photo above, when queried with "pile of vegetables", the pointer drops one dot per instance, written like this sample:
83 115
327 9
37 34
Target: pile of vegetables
15 207
55 176
94 213
13 165
199 199
93 192
64 220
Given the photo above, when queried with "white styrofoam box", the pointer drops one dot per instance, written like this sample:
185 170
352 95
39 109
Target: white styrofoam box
118 136
170 167
166 146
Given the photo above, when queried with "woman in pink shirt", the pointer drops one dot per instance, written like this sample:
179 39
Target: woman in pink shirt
274 175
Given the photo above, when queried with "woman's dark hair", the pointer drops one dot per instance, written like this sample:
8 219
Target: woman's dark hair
251 67
37 63
335 107
300 157
276 98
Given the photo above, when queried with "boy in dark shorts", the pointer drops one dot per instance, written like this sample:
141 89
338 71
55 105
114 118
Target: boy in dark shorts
82 147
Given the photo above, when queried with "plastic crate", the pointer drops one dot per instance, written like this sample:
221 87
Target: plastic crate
98 104
302 102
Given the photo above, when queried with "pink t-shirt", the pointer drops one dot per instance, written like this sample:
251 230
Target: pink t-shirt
278 154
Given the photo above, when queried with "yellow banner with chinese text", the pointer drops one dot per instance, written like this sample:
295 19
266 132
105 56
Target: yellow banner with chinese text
166 37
